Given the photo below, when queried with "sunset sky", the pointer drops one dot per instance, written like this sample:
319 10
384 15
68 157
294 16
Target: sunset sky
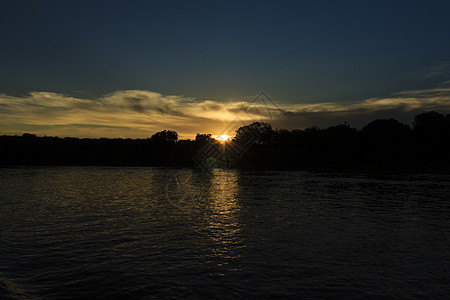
132 68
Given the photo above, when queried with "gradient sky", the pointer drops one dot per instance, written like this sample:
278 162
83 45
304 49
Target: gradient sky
131 68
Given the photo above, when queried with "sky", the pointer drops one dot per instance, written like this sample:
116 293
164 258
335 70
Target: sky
132 68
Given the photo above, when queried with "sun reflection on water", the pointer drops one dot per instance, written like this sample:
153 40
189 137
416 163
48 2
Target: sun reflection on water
222 224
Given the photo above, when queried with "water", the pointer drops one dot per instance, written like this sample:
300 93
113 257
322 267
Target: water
144 233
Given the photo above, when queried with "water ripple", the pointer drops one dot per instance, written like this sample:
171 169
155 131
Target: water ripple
76 232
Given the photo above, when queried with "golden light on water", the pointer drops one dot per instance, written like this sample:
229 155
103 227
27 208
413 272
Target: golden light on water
223 221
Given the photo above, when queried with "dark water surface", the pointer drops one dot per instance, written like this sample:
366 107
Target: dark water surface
139 233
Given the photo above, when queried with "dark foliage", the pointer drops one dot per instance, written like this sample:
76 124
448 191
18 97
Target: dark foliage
382 145
165 137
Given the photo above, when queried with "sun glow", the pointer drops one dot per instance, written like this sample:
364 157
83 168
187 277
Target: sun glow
223 137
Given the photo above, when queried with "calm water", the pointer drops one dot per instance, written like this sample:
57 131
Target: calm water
163 233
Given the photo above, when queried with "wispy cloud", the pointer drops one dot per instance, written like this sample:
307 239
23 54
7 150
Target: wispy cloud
441 68
402 105
140 113
130 113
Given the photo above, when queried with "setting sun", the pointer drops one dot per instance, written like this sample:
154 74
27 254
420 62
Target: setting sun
223 137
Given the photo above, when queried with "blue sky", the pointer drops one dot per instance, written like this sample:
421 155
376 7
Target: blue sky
300 52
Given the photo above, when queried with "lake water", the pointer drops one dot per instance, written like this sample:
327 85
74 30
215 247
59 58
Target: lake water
144 233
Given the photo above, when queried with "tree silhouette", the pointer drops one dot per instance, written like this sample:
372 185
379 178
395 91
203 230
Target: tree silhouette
385 139
203 138
432 134
429 122
260 132
165 137
383 144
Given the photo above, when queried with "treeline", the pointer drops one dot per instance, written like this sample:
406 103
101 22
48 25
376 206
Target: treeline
162 149
383 144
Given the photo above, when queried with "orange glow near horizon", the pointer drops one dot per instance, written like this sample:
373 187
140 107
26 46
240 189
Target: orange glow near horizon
222 137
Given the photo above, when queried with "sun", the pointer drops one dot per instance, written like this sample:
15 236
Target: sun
223 137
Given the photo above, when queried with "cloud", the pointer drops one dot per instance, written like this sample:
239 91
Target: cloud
140 113
402 106
441 68
130 113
